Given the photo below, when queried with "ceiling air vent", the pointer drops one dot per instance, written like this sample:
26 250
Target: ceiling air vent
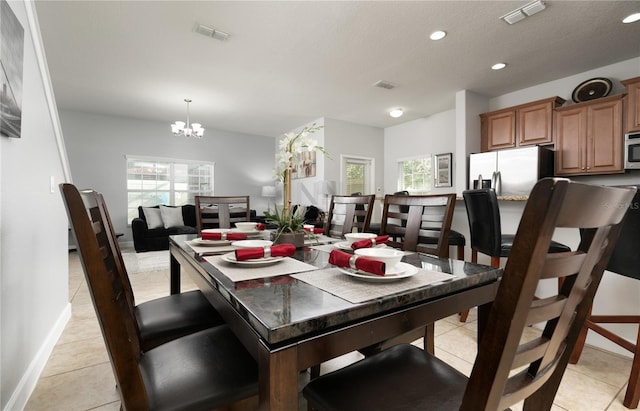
384 84
211 32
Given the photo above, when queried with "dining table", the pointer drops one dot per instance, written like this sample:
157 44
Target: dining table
292 313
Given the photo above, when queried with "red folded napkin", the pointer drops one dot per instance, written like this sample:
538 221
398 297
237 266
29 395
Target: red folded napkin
261 227
315 230
223 236
369 265
281 250
369 242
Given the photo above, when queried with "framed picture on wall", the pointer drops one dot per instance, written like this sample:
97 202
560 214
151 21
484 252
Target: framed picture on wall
304 165
442 170
11 57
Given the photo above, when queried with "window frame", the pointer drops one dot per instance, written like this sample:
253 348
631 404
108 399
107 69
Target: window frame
428 177
173 189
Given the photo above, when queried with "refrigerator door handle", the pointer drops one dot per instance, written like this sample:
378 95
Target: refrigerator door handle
496 182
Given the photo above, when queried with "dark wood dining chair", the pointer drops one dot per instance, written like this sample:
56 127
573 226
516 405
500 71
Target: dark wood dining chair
485 229
347 213
406 218
200 371
161 319
510 366
624 261
221 212
422 216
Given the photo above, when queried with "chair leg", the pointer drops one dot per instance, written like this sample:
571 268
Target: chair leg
632 396
582 337
464 314
429 339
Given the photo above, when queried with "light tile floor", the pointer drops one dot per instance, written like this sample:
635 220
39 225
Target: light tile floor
78 375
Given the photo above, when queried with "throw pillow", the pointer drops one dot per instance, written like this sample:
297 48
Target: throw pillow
171 216
153 217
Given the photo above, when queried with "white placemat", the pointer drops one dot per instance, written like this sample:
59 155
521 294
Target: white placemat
239 272
200 249
356 291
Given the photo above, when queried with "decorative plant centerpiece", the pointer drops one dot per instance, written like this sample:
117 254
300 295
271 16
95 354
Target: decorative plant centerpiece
290 222
290 225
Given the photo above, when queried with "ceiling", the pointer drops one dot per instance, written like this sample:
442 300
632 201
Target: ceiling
287 63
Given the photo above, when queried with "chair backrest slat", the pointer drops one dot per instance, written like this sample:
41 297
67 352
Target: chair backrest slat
496 380
221 212
347 213
418 216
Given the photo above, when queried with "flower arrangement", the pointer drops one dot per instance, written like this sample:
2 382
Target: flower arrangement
291 145
290 221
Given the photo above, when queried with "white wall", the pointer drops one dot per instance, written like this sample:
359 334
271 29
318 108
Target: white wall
420 138
97 145
338 138
34 297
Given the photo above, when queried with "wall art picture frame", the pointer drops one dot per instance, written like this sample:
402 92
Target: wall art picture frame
304 165
443 166
11 59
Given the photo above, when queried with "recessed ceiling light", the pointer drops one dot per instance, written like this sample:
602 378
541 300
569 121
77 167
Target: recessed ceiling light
498 66
632 18
438 35
396 112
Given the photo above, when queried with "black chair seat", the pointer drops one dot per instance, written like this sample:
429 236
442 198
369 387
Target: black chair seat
181 374
506 244
403 370
169 317
455 238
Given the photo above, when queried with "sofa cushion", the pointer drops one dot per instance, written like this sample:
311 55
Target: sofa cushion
153 217
171 216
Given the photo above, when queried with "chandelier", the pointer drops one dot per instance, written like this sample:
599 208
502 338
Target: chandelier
179 128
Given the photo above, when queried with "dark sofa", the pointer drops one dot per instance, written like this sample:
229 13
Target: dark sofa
145 239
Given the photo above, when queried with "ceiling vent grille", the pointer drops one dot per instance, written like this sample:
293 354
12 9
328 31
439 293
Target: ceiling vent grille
211 32
385 84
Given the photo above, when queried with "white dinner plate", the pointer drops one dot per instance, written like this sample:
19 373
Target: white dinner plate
210 243
343 245
231 258
404 270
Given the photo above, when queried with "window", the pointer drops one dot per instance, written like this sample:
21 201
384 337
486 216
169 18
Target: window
414 175
153 181
356 175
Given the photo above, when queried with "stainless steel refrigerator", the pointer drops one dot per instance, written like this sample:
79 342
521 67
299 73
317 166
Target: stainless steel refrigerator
511 172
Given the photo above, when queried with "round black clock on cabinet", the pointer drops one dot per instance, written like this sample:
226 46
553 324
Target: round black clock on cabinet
592 89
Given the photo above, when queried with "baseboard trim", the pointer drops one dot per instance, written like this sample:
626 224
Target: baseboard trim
29 380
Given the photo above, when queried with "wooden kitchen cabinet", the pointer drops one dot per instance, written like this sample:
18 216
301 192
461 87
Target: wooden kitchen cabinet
633 105
588 137
523 125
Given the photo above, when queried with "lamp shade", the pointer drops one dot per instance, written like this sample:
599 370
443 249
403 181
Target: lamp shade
268 191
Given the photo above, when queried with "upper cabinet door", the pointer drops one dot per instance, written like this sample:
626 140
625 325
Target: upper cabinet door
535 124
633 105
605 140
524 125
589 137
500 130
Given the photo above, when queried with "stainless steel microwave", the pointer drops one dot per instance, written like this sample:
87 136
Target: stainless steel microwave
632 151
